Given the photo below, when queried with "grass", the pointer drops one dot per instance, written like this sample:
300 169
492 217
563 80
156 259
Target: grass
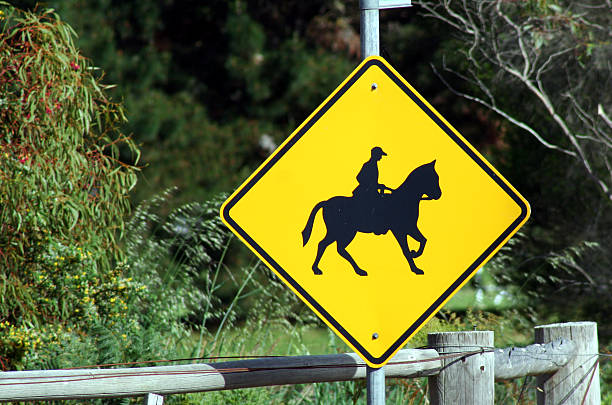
276 340
480 299
483 294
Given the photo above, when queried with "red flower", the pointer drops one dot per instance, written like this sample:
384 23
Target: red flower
74 66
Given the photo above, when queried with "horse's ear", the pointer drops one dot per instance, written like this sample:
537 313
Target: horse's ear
433 163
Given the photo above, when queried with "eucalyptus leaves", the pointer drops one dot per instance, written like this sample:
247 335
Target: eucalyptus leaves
63 186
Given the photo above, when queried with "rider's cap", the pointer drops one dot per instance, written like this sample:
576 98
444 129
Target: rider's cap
377 150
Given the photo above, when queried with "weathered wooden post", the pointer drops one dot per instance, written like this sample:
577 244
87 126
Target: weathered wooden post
577 382
467 379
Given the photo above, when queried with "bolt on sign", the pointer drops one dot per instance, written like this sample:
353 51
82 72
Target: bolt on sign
375 211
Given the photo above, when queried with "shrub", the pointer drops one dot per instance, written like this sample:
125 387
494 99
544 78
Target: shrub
63 188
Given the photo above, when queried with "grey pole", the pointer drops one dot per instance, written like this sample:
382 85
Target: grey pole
375 385
370 46
370 42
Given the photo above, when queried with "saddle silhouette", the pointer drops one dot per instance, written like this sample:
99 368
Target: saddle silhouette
397 212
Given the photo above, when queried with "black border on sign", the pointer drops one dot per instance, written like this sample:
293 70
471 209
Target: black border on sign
279 154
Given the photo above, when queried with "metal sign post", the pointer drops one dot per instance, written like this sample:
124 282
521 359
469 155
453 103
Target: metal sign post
375 385
370 46
370 41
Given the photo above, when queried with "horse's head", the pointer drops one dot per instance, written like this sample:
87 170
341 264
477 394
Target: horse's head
423 181
432 181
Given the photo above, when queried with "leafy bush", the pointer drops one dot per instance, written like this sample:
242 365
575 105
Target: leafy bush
177 257
63 189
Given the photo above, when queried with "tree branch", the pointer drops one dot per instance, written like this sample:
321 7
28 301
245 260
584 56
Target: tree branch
602 114
504 114
497 35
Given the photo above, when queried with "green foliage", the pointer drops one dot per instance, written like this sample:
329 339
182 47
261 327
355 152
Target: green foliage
63 190
177 257
140 310
241 396
605 373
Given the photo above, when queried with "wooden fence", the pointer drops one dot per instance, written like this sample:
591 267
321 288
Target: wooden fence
461 367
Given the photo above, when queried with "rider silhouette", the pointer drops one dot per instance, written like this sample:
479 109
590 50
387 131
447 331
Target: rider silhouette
370 191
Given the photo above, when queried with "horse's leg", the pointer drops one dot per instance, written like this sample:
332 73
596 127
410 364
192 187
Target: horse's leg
341 247
403 242
418 236
325 242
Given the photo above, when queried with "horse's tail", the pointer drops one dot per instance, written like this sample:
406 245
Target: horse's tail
308 229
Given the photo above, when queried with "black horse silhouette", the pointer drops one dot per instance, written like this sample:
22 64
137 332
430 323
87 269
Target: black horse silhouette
397 212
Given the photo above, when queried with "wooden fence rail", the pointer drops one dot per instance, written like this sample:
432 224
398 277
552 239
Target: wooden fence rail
460 359
164 380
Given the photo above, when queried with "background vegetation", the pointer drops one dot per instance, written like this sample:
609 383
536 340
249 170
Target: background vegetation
96 268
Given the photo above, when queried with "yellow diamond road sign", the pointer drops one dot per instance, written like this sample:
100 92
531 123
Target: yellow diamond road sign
375 211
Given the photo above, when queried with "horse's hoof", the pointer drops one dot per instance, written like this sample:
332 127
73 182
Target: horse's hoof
361 272
317 271
418 271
